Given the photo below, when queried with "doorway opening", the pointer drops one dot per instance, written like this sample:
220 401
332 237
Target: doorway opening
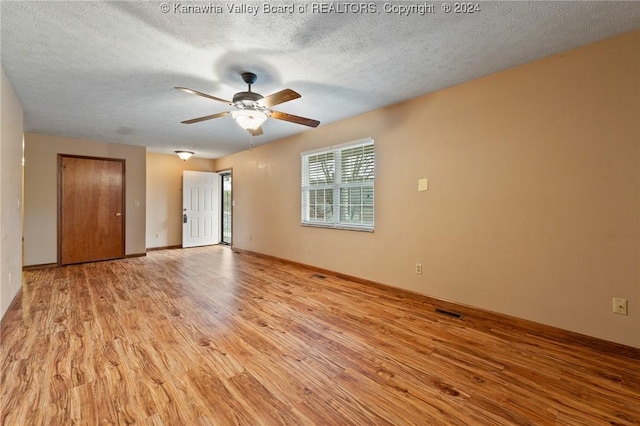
226 205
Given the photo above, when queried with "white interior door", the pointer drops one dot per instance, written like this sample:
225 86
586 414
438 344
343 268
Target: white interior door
200 208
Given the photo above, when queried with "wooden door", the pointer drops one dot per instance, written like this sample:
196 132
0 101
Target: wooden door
200 208
91 209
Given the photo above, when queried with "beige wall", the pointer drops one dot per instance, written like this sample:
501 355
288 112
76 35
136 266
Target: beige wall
533 208
40 192
10 194
164 196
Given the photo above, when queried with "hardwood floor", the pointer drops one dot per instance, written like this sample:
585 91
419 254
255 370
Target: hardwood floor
206 336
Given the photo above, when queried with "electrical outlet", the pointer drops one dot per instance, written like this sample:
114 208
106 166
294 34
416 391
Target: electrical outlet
620 306
309 248
418 268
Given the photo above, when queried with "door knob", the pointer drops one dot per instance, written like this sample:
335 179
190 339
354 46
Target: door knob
118 214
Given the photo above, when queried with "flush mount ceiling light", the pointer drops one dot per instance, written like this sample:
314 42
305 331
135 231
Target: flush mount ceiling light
248 118
184 155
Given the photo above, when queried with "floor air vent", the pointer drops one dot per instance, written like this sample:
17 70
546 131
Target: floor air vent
320 276
449 313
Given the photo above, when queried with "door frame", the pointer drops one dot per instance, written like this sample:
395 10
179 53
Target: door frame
124 205
230 173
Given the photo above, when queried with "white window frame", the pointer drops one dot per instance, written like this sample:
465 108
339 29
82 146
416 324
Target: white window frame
334 188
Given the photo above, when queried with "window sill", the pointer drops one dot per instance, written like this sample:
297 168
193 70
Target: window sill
340 227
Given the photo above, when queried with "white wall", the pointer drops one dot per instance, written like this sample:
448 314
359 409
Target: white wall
10 194
164 196
533 208
41 192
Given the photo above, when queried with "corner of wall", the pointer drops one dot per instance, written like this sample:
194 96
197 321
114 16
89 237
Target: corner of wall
10 194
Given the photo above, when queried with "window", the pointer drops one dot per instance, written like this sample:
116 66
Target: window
338 186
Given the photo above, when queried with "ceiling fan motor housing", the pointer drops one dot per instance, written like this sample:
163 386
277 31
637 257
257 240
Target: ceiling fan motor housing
245 99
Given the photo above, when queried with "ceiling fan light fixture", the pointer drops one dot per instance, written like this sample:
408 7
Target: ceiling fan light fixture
249 119
184 155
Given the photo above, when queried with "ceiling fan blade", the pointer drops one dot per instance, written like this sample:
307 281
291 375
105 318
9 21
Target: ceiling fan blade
256 132
278 98
206 117
294 119
204 95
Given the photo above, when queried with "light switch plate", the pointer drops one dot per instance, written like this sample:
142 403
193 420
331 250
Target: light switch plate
423 184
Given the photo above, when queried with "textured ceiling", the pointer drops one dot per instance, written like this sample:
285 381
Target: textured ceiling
106 70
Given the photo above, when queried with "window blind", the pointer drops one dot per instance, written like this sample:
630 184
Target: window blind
338 186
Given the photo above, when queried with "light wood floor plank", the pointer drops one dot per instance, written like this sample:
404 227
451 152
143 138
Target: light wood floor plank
209 336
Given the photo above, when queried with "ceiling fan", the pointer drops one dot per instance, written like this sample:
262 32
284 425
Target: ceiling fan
253 109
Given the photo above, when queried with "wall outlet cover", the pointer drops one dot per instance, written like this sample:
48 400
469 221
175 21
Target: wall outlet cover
620 306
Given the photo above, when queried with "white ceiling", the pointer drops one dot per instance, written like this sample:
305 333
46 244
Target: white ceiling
106 70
